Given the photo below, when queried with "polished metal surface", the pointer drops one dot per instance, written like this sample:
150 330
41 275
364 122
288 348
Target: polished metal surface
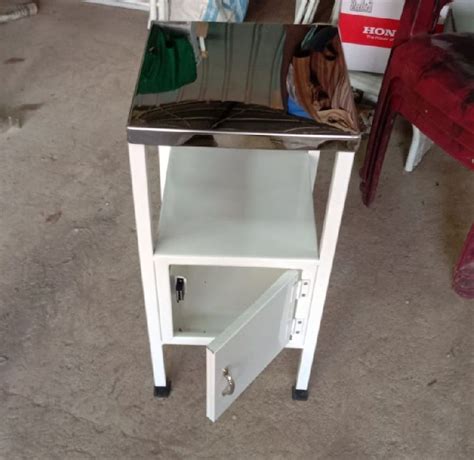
287 83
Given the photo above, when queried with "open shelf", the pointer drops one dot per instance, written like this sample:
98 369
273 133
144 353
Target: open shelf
215 297
226 203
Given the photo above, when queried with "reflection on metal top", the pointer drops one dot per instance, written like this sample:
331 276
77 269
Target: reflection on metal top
285 82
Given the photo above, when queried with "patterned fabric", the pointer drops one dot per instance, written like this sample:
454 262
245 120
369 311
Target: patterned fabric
208 10
226 10
317 83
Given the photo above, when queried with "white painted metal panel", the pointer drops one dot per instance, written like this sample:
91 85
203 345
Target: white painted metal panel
216 296
249 344
238 203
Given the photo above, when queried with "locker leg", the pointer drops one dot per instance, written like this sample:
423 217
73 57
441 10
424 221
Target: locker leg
143 220
163 392
332 222
299 395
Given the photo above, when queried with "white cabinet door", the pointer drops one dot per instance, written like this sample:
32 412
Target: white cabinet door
238 355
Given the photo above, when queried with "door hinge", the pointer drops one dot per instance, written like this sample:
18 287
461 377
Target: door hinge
301 289
297 328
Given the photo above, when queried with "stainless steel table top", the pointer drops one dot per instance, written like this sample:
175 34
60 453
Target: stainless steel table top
287 83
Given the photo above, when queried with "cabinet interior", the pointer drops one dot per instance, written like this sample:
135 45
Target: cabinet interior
215 296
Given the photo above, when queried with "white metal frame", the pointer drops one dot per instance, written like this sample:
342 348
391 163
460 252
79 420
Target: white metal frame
144 224
310 310
331 226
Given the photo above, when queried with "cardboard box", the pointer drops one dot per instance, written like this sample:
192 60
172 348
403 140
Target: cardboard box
368 29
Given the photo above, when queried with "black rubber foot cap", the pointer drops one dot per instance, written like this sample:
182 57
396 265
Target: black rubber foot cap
163 392
299 395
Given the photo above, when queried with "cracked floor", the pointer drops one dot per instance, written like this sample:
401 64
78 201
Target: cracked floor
393 375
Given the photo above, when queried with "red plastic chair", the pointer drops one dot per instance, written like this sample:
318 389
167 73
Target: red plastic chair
430 82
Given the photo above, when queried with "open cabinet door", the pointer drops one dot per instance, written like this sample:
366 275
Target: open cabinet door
238 355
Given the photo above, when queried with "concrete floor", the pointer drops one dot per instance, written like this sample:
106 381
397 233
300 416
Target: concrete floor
393 376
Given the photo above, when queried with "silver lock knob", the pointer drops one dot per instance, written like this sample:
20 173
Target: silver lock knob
229 389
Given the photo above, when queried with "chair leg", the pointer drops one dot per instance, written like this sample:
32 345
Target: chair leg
378 142
420 144
463 280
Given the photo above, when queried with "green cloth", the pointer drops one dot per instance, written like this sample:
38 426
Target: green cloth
169 62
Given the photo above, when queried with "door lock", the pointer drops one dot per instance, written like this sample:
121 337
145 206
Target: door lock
180 288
